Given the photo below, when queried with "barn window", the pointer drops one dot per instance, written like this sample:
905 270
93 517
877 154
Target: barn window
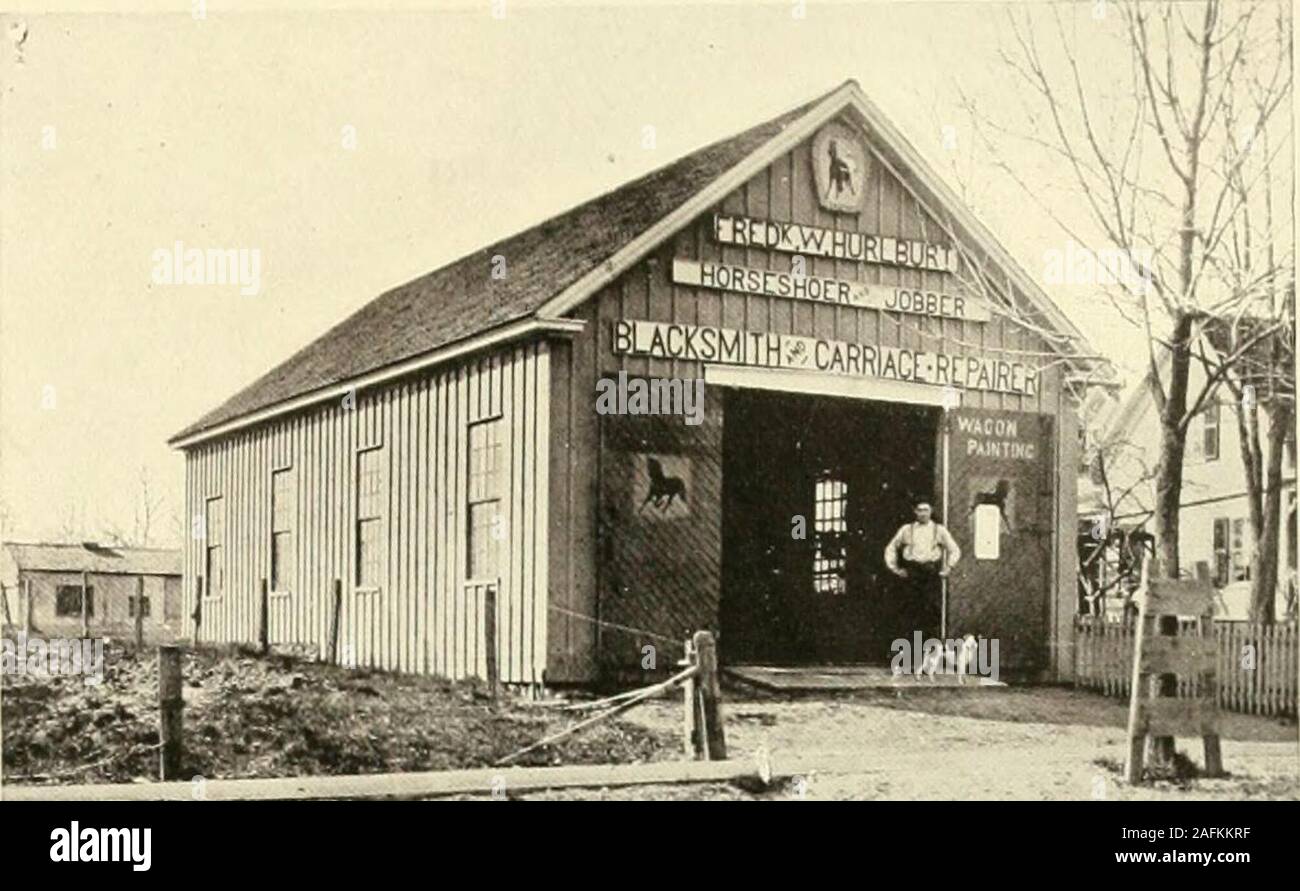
282 506
370 516
1211 425
130 606
485 492
829 528
214 558
67 600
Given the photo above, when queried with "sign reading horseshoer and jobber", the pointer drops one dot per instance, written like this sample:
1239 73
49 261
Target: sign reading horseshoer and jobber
763 349
795 238
822 289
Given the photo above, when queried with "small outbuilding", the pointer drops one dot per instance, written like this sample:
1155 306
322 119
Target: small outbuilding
45 586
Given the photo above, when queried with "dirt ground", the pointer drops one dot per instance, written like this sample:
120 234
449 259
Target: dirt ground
975 743
246 716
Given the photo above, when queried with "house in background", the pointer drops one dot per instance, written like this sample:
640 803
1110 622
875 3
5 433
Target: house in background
1214 527
51 577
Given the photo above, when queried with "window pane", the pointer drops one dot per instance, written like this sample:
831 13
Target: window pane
67 600
215 522
368 547
485 456
216 581
830 508
369 484
282 501
483 546
281 560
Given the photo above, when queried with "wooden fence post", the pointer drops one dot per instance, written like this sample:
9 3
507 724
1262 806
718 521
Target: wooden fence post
85 605
139 612
706 653
490 636
170 707
264 630
691 709
334 621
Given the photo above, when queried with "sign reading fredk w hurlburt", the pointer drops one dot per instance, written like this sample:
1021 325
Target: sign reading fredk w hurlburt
796 238
764 349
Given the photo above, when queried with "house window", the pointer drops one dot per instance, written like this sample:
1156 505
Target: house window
1240 552
282 507
370 516
1231 551
130 606
67 601
484 490
215 531
1221 551
1210 423
829 528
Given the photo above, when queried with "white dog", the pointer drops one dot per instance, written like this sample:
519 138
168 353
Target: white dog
958 655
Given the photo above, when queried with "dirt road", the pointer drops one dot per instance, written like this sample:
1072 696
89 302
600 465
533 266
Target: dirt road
1008 743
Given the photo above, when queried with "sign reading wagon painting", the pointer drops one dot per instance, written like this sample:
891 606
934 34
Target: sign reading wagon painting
704 343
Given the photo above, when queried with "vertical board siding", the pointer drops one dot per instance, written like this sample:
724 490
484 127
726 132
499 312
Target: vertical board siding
424 616
584 592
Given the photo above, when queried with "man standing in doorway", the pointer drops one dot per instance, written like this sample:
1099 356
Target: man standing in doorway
928 551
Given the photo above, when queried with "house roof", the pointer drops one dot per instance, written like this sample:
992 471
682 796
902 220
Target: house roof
91 557
554 266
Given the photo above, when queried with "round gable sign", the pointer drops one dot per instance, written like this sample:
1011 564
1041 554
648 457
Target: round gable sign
840 168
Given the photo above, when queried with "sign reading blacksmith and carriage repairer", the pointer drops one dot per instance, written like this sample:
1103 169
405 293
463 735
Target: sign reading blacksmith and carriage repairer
764 349
840 168
823 289
796 238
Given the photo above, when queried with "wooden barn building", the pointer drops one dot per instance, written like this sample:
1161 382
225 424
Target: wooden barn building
524 421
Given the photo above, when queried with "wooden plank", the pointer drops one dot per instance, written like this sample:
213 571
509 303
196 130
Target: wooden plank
1186 656
475 781
1179 597
1169 716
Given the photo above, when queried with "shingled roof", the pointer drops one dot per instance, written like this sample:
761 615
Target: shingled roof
462 299
92 557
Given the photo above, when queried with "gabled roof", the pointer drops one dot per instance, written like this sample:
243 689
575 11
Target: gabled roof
555 266
91 557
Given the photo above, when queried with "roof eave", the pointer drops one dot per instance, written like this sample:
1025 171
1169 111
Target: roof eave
519 329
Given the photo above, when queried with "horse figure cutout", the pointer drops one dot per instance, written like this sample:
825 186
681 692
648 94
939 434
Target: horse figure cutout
840 172
663 488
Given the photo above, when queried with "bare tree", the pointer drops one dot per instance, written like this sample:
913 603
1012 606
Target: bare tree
1165 168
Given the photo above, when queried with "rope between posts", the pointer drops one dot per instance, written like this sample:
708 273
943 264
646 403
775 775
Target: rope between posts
635 697
628 628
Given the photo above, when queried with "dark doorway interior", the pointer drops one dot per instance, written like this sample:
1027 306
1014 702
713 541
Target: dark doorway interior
851 469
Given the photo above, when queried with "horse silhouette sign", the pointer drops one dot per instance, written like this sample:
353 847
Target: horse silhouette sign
839 168
662 487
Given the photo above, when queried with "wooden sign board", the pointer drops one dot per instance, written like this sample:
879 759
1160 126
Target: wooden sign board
840 168
1166 653
813 240
764 349
823 289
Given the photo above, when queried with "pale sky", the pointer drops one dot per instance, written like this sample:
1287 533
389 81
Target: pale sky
123 134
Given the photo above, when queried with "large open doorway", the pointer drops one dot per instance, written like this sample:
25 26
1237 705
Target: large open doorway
813 489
